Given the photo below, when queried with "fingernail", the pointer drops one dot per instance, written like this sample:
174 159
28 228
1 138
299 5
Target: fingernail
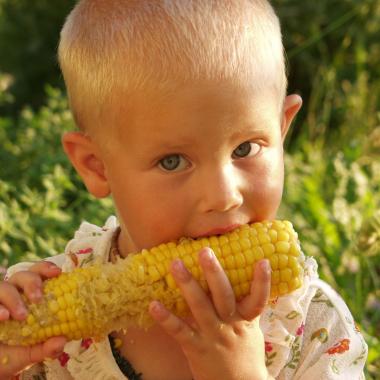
36 295
180 271
158 310
208 255
208 258
4 313
22 312
51 266
265 266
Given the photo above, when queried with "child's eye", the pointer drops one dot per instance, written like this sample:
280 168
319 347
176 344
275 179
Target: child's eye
173 162
247 148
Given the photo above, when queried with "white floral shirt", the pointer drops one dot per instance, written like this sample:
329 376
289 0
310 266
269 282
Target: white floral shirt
309 334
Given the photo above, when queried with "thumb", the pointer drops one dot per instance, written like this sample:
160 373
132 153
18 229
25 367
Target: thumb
52 348
16 358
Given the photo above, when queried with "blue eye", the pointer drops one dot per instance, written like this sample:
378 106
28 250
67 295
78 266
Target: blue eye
173 162
245 149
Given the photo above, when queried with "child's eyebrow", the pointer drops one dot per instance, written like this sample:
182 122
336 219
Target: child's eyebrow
248 130
173 145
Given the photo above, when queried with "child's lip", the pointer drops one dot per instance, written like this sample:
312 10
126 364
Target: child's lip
219 230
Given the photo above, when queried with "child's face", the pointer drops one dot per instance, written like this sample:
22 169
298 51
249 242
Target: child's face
202 161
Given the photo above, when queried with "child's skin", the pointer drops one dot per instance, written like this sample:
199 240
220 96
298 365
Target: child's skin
202 160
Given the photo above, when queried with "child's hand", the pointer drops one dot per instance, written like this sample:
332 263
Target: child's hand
222 338
15 359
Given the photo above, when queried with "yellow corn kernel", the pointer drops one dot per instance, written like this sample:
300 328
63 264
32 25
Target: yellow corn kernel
230 262
70 314
283 236
274 291
53 306
41 335
282 247
31 319
245 243
294 250
283 288
65 328
161 267
286 275
258 253
242 275
71 283
274 262
62 315
62 302
249 256
26 331
170 281
48 331
57 330
245 286
154 273
294 283
226 250
65 288
118 343
292 262
268 249
235 247
263 237
282 260
275 277
273 235
188 261
233 277
254 240
249 272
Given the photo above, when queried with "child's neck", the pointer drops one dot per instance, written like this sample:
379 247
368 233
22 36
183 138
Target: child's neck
154 354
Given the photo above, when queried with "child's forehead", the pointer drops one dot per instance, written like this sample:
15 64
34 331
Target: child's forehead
197 106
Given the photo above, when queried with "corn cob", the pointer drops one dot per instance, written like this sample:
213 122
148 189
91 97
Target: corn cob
95 300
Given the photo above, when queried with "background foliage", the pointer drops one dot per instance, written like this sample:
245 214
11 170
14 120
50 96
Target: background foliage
333 161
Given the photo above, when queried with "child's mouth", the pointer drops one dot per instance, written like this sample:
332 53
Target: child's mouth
219 230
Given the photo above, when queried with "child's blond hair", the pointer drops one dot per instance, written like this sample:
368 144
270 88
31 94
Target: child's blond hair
110 48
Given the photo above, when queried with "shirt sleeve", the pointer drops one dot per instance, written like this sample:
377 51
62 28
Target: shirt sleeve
333 347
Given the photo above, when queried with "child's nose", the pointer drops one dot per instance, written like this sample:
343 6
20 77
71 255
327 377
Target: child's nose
221 190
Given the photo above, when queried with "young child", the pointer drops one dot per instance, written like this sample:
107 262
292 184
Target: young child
182 114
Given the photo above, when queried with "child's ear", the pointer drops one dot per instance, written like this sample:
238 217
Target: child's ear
85 158
292 105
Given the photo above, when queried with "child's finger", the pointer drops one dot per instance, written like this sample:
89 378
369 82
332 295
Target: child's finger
4 313
45 269
52 348
173 325
18 358
219 285
11 300
253 304
29 283
199 303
